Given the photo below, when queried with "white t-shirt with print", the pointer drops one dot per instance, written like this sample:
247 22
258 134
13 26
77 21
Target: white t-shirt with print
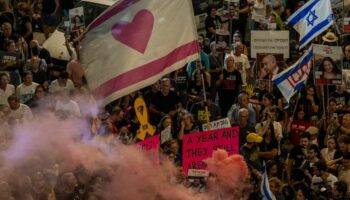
26 92
4 94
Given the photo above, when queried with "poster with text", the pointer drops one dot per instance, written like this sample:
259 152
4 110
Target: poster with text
328 65
77 21
150 146
269 64
199 146
274 42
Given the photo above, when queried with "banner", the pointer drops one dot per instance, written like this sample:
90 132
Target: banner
199 146
328 65
134 43
271 42
151 147
218 124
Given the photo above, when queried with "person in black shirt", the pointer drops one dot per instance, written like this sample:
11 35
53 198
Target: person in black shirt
50 9
212 22
241 23
164 102
25 28
6 14
229 85
7 34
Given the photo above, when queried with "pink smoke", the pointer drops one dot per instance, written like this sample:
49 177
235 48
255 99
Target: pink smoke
230 175
54 146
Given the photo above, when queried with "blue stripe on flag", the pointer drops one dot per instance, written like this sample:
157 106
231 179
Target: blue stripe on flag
299 15
315 30
285 76
265 190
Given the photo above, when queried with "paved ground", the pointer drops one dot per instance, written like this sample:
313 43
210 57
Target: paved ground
40 37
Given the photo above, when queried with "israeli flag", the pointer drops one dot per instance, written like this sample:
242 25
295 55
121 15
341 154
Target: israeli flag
311 20
290 80
265 187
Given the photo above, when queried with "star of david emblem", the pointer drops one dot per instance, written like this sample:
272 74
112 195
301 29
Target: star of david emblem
311 18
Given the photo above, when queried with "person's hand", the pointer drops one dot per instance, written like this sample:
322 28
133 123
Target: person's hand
51 195
182 124
263 73
172 113
221 77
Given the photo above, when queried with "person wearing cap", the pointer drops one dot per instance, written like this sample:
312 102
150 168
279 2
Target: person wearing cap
250 150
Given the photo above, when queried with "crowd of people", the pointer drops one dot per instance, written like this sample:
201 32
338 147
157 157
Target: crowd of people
305 144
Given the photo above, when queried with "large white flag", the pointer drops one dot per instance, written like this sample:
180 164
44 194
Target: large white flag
135 42
290 80
311 20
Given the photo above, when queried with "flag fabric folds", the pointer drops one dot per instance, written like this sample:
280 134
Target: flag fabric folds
311 20
290 80
265 187
134 43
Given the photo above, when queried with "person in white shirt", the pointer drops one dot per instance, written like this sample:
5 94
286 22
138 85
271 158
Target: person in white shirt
6 89
19 111
25 91
63 83
321 175
241 62
65 107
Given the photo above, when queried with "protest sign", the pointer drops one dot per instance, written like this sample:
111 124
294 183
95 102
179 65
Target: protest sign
346 78
142 115
199 146
151 147
346 14
328 65
165 135
218 124
231 9
77 22
198 173
274 42
268 65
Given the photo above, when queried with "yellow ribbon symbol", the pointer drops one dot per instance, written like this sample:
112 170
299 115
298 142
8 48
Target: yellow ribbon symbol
142 116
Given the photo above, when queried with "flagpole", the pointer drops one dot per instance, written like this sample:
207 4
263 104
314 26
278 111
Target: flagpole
205 103
323 107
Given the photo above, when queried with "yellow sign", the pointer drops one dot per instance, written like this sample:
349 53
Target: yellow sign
142 116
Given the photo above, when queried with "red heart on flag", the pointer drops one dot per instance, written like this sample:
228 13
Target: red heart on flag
135 34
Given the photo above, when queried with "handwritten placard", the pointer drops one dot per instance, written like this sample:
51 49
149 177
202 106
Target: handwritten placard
151 147
198 173
165 135
218 124
199 146
270 42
